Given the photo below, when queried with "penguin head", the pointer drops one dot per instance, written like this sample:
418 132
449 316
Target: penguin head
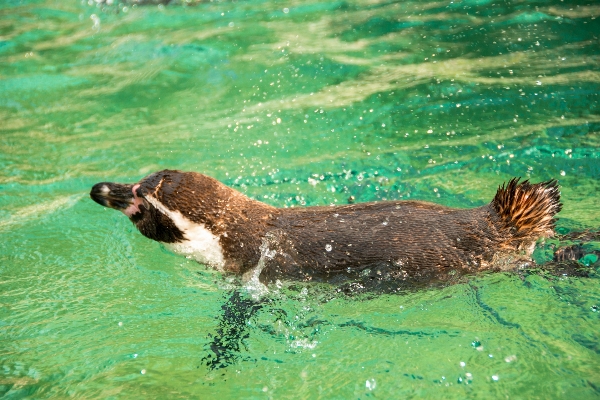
140 203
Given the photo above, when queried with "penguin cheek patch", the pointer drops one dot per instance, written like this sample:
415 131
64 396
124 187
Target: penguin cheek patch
134 206
131 210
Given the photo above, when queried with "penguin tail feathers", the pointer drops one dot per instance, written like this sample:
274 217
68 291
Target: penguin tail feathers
527 210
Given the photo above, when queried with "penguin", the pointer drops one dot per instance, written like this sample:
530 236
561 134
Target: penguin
199 217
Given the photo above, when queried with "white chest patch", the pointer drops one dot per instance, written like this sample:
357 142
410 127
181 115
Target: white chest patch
199 244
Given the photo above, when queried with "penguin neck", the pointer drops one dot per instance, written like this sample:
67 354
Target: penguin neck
221 227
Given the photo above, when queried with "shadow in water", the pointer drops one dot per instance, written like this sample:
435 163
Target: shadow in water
227 343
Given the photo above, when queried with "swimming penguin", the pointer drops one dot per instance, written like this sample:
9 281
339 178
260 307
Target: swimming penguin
197 216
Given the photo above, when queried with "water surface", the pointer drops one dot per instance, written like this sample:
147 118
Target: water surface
293 103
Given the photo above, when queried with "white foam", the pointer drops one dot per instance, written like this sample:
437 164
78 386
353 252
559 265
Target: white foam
253 285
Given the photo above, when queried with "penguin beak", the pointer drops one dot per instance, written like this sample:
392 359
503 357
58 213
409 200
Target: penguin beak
114 195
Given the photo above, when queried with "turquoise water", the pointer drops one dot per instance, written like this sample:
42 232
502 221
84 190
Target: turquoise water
292 103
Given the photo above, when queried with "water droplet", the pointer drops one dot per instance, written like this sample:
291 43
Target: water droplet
370 384
286 10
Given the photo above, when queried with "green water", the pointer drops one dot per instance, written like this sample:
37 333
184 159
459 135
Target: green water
293 103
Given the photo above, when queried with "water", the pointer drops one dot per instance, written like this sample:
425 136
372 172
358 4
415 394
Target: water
292 103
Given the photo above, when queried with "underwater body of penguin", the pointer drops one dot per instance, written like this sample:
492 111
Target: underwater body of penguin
197 216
